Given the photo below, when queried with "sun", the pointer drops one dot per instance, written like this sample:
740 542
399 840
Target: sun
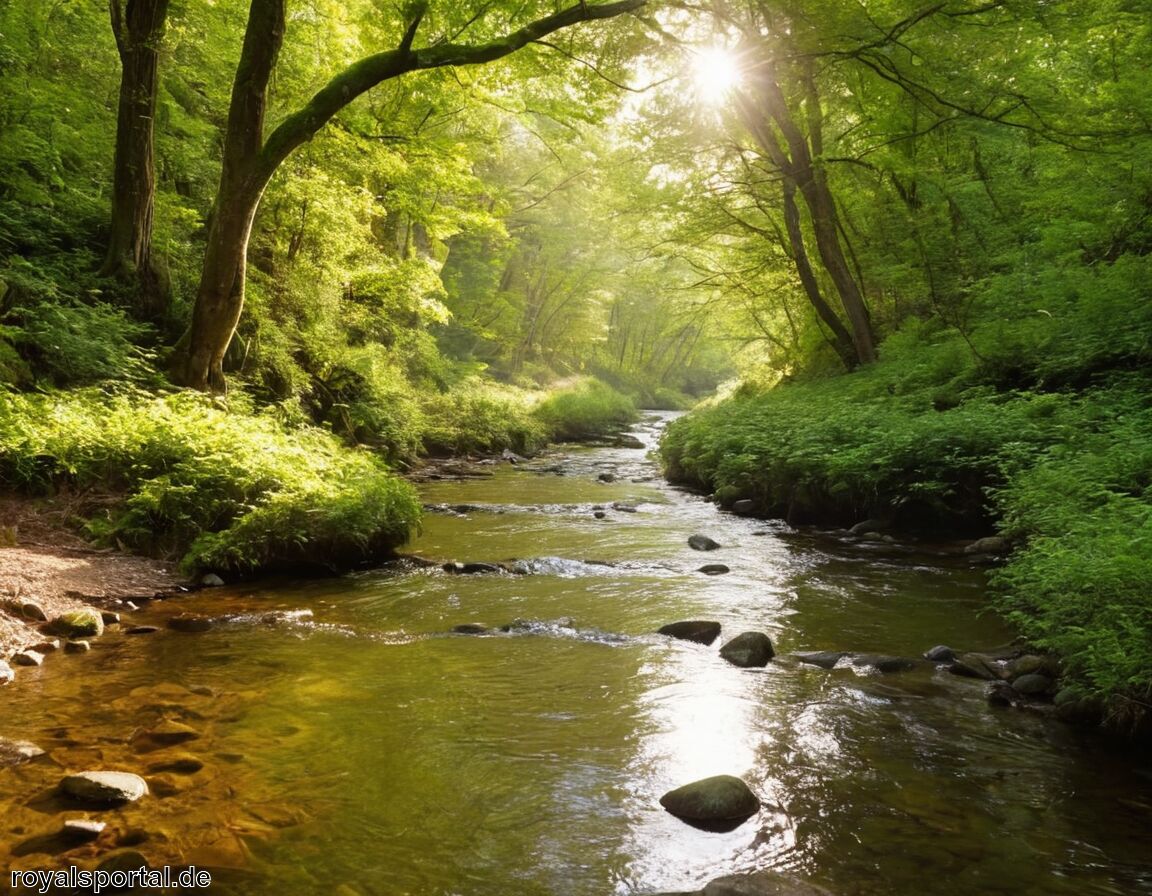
715 74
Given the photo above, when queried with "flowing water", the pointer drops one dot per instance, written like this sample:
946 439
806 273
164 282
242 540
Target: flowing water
367 749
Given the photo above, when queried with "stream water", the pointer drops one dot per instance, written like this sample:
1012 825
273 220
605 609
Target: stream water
366 750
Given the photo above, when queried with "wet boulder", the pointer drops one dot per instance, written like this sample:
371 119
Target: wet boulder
702 543
104 788
607 477
748 650
940 654
743 506
627 441
977 665
698 631
28 658
83 623
1034 684
77 646
714 569
81 830
716 799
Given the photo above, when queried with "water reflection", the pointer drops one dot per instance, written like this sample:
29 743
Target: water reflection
370 751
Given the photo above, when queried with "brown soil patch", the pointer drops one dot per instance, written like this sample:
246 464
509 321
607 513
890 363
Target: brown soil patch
42 559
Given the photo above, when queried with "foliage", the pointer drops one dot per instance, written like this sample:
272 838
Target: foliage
1084 513
589 409
477 418
221 490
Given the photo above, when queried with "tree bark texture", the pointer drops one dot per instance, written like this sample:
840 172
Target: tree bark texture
250 160
138 26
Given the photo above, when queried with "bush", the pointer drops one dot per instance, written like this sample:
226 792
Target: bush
1079 584
587 410
222 490
479 418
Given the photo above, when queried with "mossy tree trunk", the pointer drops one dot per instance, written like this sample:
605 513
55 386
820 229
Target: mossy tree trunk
250 160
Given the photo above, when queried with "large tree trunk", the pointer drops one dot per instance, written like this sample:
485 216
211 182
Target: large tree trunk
250 160
798 161
139 29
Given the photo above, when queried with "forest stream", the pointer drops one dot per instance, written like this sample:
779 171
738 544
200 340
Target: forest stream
338 737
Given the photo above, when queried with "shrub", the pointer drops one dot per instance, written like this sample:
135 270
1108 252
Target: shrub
479 418
587 410
222 490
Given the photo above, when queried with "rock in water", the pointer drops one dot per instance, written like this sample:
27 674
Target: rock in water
825 659
104 787
714 569
940 654
698 631
744 505
748 650
702 543
885 664
16 751
719 798
86 623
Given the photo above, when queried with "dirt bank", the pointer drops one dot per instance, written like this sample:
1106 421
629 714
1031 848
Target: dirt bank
45 561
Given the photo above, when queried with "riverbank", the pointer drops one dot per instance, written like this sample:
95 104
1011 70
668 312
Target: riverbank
916 445
44 562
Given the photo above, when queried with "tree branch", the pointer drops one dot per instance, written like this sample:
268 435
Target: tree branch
362 76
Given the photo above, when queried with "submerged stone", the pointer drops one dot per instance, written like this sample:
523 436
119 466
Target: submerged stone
825 659
884 664
13 752
698 631
714 569
190 624
700 542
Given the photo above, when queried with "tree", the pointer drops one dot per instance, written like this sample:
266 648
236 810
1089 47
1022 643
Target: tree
250 159
138 26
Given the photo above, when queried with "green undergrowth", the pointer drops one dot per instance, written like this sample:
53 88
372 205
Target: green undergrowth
228 491
482 418
587 410
1078 586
